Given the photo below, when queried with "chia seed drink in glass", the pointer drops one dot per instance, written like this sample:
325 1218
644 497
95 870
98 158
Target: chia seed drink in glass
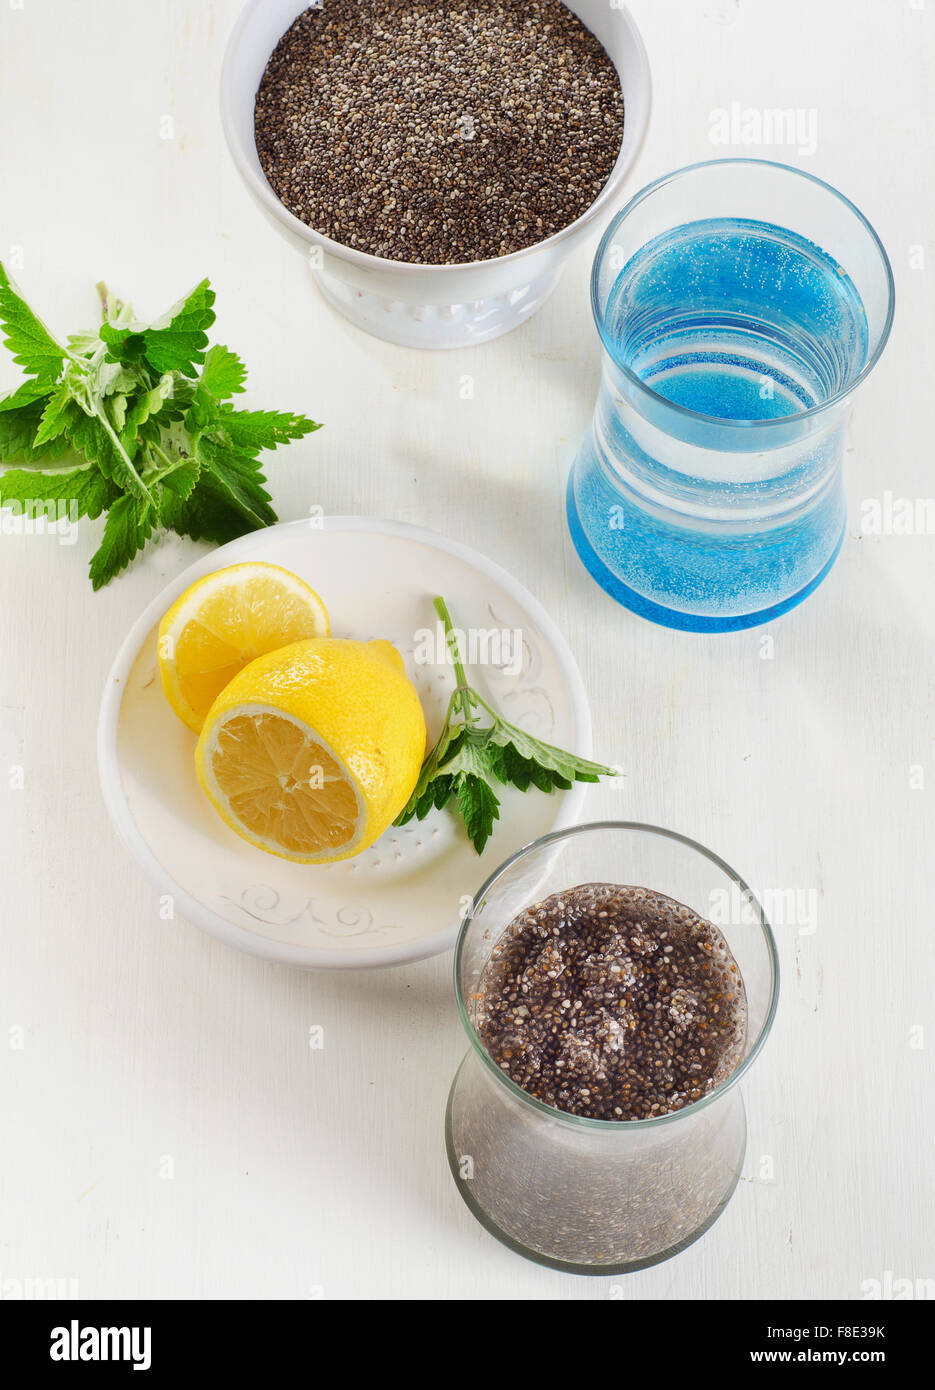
740 304
612 1002
595 1125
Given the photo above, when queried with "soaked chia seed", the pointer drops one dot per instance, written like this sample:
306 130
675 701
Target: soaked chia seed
435 131
611 1002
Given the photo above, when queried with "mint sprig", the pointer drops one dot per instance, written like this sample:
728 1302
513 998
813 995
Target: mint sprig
470 758
135 420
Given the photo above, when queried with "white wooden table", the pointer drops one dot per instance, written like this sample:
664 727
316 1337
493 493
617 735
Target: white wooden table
133 1048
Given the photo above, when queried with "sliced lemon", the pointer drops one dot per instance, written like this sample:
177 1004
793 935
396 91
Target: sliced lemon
224 622
311 752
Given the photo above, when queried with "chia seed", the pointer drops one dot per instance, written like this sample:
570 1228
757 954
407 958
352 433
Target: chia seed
438 132
616 1003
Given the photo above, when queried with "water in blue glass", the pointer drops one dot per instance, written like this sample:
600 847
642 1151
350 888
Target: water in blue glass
740 321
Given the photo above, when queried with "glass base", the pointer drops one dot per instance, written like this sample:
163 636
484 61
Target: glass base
566 1266
673 617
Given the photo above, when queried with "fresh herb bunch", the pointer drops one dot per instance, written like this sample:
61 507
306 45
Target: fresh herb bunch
135 420
469 758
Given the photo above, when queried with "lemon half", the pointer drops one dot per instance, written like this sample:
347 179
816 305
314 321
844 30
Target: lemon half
312 751
225 621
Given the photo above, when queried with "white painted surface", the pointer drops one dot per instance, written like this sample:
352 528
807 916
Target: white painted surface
298 1172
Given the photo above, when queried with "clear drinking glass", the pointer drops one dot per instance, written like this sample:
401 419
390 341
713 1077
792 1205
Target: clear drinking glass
602 1196
740 303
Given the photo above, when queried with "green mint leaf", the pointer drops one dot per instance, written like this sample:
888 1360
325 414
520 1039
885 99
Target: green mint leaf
479 808
161 441
202 414
524 772
147 404
223 373
30 342
467 757
205 516
129 526
181 481
434 797
149 432
113 310
238 482
18 429
175 489
111 378
27 393
118 413
92 440
469 754
546 758
88 492
174 343
59 415
83 344
438 794
95 438
253 430
428 790
547 779
178 402
497 762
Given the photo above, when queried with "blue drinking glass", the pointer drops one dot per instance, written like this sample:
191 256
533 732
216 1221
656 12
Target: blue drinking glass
740 303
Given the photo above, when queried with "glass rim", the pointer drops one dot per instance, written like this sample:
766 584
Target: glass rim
722 421
586 1121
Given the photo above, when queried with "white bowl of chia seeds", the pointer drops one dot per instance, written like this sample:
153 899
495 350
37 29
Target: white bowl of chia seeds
435 164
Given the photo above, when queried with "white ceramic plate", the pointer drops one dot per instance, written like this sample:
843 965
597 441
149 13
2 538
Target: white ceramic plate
402 899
